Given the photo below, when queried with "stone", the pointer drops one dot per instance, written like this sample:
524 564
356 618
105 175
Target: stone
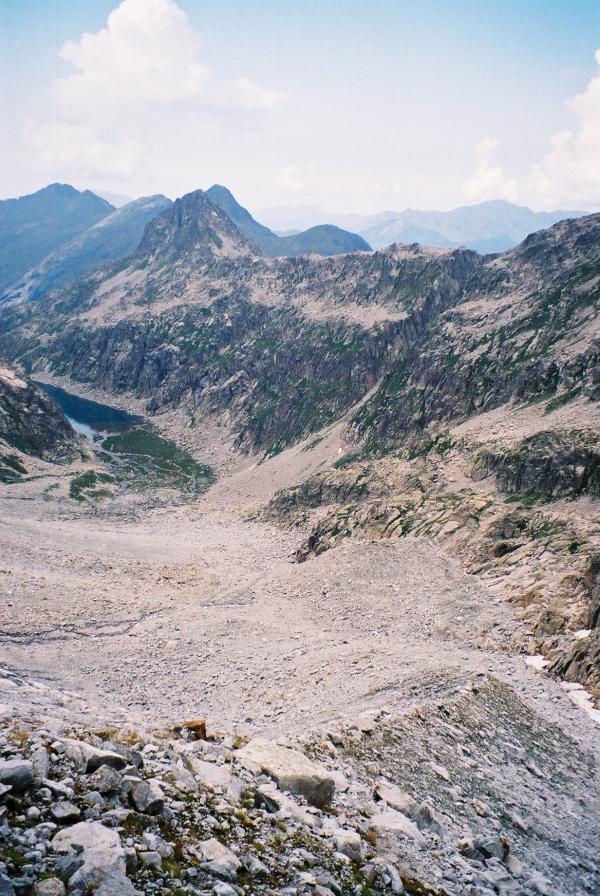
236 789
103 867
105 780
256 867
52 886
390 820
194 728
223 889
6 887
217 859
492 847
90 758
350 844
426 820
17 773
395 797
147 796
151 859
210 774
290 769
40 763
181 778
65 812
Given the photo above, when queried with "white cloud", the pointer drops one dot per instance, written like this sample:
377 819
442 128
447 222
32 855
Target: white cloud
139 98
294 178
569 173
489 180
567 176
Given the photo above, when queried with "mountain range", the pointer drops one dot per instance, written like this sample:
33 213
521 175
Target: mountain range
31 227
417 429
492 226
322 239
58 234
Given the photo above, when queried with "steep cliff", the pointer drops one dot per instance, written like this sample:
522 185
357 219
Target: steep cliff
30 423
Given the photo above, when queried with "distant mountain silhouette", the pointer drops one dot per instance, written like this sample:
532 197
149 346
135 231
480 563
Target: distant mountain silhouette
322 240
492 226
31 227
115 236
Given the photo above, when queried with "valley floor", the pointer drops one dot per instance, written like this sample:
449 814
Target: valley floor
165 613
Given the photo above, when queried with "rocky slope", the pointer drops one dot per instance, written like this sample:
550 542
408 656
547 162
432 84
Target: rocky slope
31 425
113 237
461 797
31 227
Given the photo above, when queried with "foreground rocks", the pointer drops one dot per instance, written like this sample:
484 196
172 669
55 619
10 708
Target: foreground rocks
472 795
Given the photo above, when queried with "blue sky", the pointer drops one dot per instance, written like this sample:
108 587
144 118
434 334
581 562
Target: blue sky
352 106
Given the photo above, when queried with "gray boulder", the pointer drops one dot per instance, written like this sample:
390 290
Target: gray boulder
103 868
16 773
291 770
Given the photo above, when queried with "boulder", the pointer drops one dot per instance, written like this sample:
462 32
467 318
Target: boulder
52 886
390 820
217 859
65 812
349 843
210 775
103 868
146 796
40 763
105 780
90 758
16 773
395 798
291 770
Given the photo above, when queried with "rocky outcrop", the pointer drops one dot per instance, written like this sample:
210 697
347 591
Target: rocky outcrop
193 228
31 422
549 464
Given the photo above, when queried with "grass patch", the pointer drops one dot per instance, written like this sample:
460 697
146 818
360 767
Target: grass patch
85 486
11 468
146 460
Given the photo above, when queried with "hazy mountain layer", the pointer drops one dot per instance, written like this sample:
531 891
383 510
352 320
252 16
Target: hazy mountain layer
487 227
320 240
114 237
31 227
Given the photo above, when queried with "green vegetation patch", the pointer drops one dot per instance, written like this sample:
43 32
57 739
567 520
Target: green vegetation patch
146 460
88 486
11 468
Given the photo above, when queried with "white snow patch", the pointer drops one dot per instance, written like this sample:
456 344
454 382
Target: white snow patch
582 699
536 662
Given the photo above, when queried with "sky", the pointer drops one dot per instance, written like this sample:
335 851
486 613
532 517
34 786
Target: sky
352 106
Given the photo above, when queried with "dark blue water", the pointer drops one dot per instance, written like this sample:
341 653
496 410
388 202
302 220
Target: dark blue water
98 417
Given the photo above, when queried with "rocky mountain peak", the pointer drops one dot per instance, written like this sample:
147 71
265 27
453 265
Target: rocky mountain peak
194 227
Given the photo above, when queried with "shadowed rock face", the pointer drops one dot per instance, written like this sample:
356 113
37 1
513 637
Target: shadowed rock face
31 421
192 226
548 464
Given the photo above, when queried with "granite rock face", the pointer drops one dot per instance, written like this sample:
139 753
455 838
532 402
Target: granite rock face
30 421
